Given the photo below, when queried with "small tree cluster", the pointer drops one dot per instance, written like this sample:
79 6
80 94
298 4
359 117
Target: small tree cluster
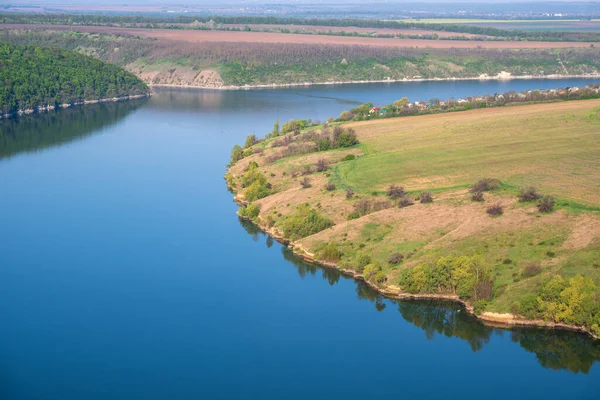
251 140
485 184
395 258
426 197
305 182
528 194
349 193
329 186
330 253
405 201
495 210
546 204
395 192
321 165
477 196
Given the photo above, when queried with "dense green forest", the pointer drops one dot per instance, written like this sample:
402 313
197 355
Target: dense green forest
36 76
180 22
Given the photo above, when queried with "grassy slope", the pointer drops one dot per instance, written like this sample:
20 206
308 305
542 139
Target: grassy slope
553 146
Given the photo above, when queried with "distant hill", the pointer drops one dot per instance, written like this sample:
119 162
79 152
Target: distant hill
36 76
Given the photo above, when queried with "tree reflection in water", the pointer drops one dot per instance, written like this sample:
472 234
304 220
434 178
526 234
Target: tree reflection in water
553 348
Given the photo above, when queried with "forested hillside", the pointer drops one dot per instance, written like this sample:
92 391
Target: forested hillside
212 64
39 76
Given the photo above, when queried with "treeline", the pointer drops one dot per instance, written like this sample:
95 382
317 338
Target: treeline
39 77
177 22
403 107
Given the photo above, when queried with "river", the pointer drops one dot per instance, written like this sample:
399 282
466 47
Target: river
126 274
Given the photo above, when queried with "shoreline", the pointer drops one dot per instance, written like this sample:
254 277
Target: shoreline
503 76
492 319
47 108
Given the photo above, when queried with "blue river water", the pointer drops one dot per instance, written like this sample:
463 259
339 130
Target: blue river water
126 274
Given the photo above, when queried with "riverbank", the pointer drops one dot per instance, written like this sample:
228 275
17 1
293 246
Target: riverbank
496 320
337 202
79 103
504 76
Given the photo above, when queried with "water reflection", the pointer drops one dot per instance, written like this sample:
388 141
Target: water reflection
39 131
554 349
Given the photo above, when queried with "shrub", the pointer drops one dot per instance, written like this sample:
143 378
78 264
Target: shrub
349 157
353 215
236 154
330 253
495 210
371 271
379 205
395 258
528 194
477 196
479 306
305 182
321 165
395 192
349 193
361 261
485 184
306 170
251 211
528 306
251 140
530 270
469 277
362 207
405 201
425 197
304 222
329 186
546 204
346 116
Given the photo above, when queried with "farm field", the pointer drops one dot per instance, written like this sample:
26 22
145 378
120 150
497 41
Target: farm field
566 25
553 147
282 38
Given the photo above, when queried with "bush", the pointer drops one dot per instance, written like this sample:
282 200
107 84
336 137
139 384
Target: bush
330 253
546 204
479 306
395 258
528 306
477 196
346 116
304 222
349 193
395 192
373 272
468 277
362 260
349 157
495 210
329 186
531 270
528 194
485 184
379 205
251 211
353 215
251 140
321 165
426 197
237 153
362 207
405 201
305 182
